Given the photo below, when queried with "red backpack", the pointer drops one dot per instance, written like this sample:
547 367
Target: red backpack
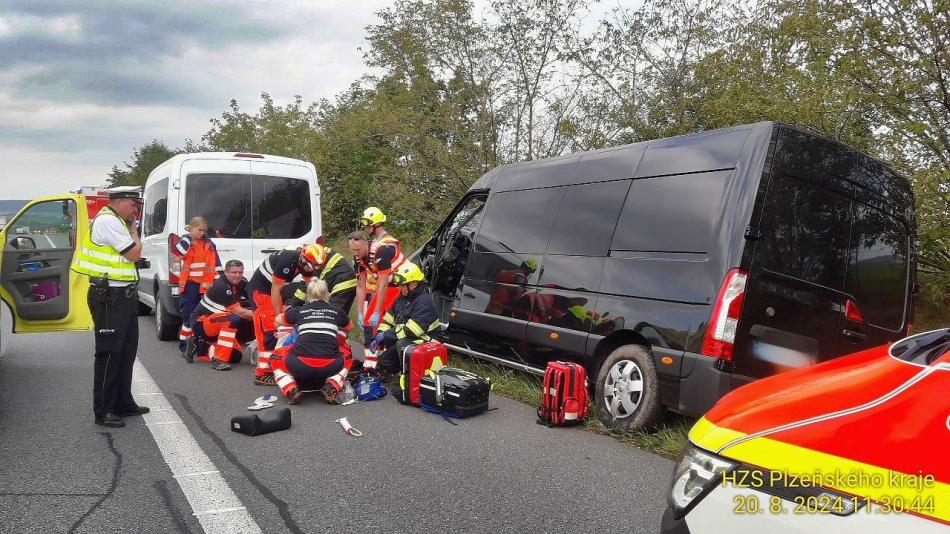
564 395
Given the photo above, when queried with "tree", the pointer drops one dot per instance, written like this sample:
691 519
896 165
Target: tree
144 161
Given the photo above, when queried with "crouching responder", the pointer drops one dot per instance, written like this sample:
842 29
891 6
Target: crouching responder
385 257
412 320
315 359
264 290
223 319
339 277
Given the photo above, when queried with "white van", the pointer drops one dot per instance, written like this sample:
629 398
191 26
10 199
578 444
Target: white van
254 204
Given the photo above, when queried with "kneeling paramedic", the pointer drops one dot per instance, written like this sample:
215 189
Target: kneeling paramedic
315 358
223 319
107 255
412 320
264 290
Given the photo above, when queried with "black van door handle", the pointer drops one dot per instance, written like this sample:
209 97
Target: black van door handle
270 250
857 336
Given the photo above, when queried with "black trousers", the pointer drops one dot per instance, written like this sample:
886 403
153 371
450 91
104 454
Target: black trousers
116 326
391 358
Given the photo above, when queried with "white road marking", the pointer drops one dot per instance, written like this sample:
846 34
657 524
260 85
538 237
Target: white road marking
213 502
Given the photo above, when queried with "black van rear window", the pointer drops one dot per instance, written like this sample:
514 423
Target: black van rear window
877 276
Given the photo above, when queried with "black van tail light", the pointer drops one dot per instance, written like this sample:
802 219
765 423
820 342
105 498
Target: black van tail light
174 261
721 332
852 313
320 240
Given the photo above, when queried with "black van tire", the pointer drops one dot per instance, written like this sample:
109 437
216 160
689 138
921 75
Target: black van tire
648 409
166 327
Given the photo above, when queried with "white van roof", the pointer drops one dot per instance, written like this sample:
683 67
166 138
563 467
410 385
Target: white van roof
237 155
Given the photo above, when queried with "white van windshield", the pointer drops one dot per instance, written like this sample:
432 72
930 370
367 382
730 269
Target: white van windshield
270 207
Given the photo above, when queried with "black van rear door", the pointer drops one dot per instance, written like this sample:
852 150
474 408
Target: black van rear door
794 297
877 283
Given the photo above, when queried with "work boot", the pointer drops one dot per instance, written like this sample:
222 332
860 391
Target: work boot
191 349
111 420
219 365
294 396
329 393
265 380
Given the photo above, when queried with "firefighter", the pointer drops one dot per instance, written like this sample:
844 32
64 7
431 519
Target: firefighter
264 290
107 255
365 286
223 319
199 264
315 358
384 258
340 279
411 320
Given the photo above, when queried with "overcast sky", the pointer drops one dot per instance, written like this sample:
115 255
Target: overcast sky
83 83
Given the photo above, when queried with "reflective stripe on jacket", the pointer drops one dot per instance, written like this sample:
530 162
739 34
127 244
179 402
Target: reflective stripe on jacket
103 261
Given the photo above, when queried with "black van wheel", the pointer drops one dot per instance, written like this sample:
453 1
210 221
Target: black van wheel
166 327
626 391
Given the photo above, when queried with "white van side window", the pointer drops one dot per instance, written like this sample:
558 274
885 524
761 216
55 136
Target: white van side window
156 208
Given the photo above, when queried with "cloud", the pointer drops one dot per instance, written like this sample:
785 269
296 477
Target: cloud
84 83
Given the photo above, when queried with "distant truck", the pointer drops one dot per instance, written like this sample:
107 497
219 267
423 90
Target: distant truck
96 198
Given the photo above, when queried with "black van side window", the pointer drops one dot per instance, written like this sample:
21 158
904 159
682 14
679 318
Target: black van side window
689 205
224 200
281 207
519 221
804 232
586 218
877 276
156 209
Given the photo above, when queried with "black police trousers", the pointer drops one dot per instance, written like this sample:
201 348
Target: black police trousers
116 327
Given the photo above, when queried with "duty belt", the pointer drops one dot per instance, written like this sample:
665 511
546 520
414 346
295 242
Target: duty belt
103 283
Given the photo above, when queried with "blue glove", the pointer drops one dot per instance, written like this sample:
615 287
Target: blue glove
374 319
373 345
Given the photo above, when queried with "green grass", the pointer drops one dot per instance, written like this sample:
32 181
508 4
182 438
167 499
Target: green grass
667 439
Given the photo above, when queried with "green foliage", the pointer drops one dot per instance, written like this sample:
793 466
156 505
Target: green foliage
454 93
144 161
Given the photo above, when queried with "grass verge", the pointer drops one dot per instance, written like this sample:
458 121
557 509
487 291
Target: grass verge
667 439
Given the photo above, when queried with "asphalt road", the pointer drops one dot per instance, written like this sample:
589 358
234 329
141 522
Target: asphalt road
411 471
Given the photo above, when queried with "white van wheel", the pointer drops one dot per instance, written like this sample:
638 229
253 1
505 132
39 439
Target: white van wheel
166 328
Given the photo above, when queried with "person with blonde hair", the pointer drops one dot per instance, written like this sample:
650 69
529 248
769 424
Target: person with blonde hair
199 268
315 359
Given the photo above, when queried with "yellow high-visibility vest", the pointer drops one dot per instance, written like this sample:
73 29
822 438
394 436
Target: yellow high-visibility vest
103 261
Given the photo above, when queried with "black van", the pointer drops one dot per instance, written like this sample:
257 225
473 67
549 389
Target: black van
678 269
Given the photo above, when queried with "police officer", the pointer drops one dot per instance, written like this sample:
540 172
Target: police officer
107 255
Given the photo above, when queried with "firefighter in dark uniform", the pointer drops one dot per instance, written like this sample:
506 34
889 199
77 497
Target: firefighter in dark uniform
264 292
107 255
411 320
223 319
